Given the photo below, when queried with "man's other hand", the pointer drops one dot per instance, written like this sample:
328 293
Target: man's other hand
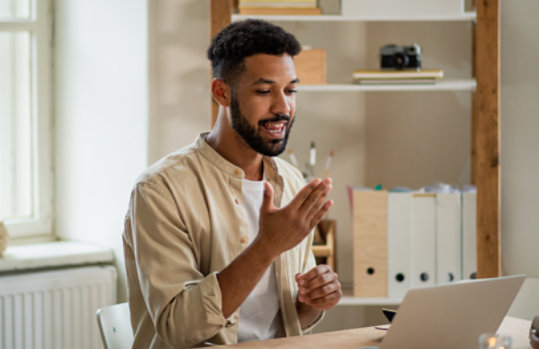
319 288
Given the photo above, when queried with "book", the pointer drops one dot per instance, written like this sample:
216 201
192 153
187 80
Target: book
397 74
278 3
395 81
276 11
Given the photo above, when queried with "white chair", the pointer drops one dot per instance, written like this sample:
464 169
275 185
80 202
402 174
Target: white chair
115 326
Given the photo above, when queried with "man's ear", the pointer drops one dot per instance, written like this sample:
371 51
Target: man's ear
220 91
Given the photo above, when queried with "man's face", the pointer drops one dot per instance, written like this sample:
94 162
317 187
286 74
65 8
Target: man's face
263 103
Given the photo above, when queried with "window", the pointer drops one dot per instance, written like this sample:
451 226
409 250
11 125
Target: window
25 100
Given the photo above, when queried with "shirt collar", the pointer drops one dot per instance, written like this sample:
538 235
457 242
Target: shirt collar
271 172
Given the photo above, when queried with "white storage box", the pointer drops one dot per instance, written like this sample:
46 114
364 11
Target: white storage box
401 8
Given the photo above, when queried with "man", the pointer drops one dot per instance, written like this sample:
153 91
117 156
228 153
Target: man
217 237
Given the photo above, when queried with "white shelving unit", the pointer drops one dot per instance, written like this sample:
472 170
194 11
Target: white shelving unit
486 116
443 84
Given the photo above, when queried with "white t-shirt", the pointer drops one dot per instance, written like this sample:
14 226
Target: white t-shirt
259 314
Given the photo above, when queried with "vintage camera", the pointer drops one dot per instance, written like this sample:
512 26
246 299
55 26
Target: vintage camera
400 57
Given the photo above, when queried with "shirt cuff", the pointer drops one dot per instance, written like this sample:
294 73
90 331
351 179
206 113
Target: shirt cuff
314 323
212 299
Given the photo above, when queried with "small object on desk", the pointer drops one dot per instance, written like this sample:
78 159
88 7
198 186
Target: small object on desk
534 333
389 314
494 341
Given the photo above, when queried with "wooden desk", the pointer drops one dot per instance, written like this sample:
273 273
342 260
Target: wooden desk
519 329
368 336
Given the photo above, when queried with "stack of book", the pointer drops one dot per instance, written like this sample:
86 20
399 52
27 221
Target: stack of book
392 77
279 7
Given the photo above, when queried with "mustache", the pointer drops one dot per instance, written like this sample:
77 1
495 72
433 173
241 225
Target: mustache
277 117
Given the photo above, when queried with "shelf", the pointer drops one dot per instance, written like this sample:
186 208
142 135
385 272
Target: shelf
466 16
443 85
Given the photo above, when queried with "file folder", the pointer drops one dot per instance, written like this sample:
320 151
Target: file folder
423 244
469 235
370 243
399 207
448 237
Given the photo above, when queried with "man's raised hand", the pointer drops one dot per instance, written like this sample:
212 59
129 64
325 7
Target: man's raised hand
283 228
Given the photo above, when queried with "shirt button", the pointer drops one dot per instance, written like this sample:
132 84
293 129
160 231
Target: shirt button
237 172
243 240
237 201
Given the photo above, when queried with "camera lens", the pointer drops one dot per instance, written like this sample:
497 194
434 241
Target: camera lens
401 60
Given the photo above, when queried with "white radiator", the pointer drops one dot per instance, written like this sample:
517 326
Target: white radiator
54 309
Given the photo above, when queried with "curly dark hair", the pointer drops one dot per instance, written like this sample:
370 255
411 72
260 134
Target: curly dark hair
245 38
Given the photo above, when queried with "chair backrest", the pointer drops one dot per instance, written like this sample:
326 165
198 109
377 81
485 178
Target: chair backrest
115 326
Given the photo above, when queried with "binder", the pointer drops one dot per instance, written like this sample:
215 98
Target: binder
423 244
399 207
448 237
469 235
370 243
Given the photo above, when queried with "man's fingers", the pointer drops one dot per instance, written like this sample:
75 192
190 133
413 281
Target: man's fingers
320 292
325 302
314 201
304 279
303 194
319 287
267 201
316 278
319 205
317 217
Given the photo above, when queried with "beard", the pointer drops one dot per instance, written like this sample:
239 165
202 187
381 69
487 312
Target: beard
252 136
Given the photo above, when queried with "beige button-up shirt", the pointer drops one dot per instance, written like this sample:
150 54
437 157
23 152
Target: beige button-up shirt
185 223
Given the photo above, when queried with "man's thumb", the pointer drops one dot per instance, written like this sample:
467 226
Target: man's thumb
267 202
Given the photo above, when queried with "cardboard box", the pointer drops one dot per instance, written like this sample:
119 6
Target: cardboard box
311 66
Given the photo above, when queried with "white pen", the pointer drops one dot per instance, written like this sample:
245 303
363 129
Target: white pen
312 159
328 163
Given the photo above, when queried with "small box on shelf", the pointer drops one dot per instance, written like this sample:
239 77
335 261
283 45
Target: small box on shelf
311 66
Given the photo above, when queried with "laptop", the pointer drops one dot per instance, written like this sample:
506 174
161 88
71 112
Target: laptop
451 316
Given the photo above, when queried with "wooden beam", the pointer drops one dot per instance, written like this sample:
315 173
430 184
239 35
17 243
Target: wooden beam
486 137
220 16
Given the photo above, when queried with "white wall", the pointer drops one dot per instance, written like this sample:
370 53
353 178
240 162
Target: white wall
520 137
179 73
101 117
